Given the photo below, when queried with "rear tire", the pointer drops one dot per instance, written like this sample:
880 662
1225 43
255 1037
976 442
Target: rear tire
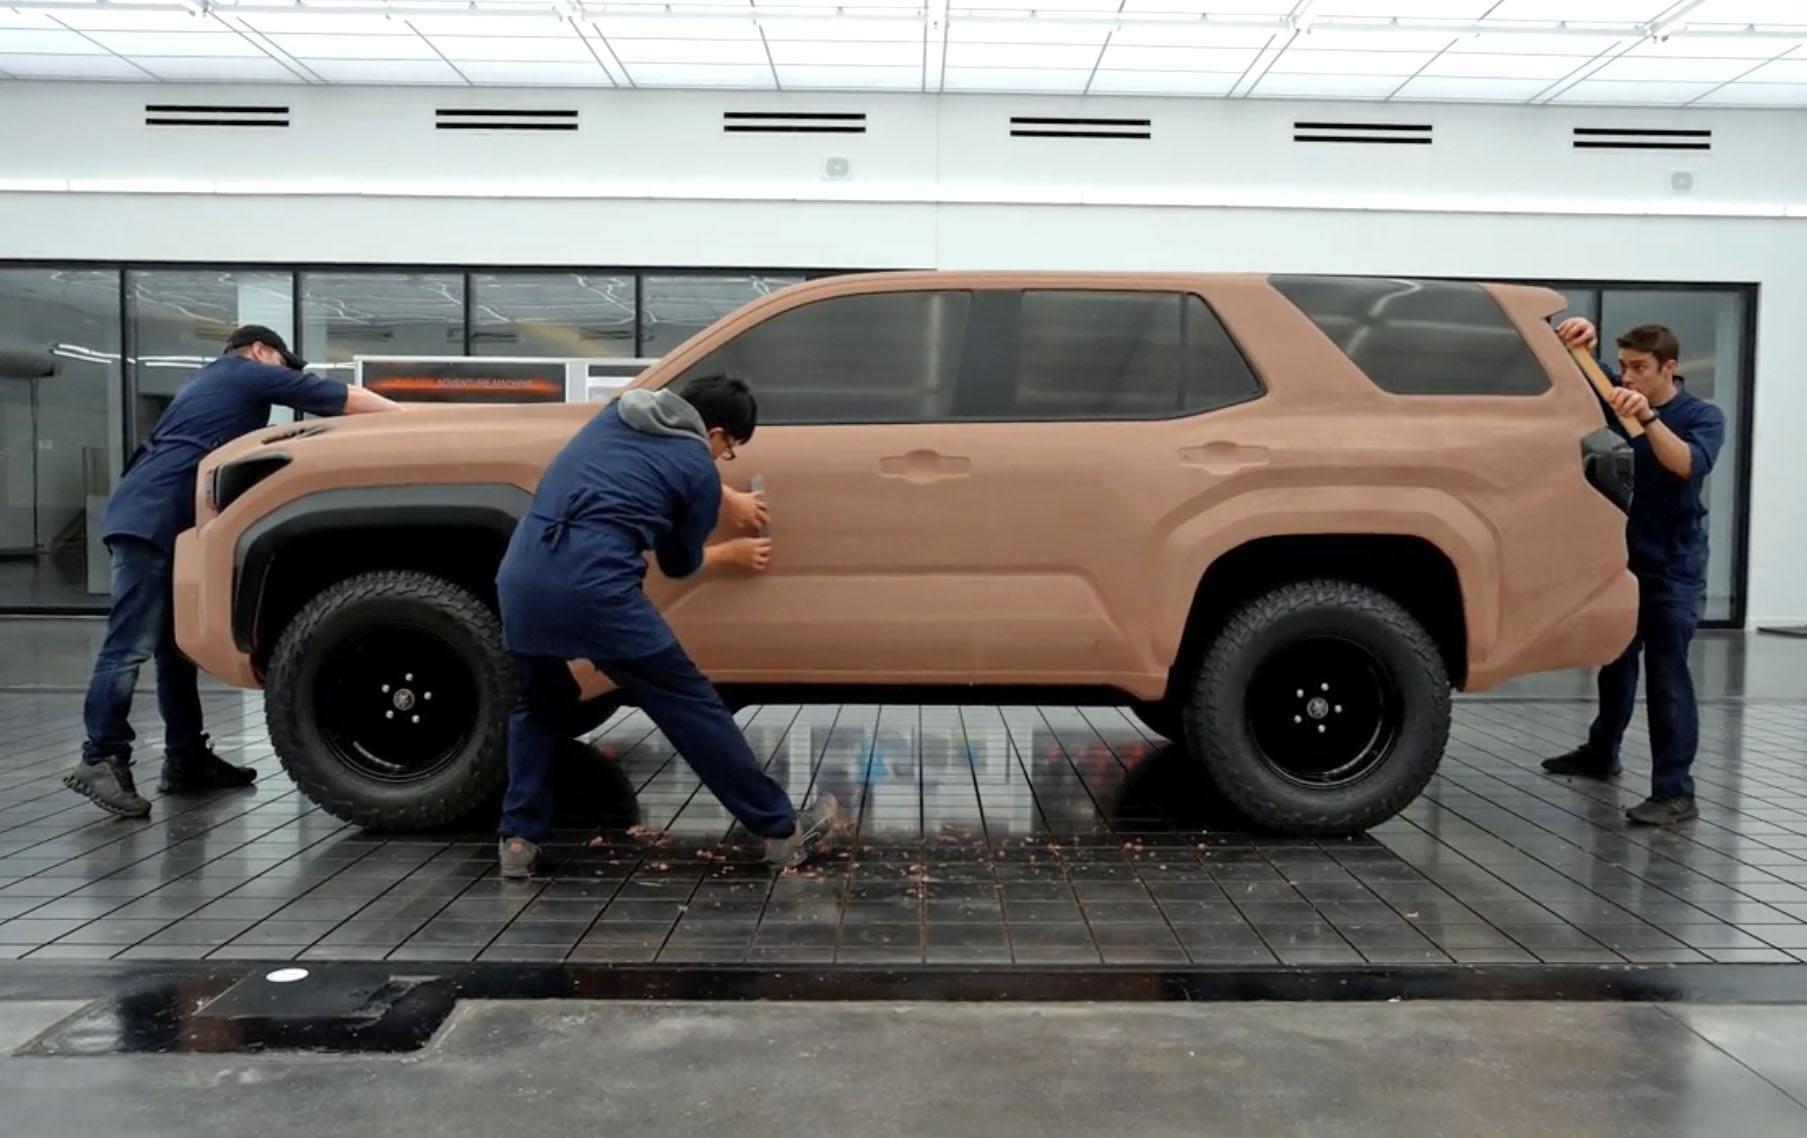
1321 709
387 701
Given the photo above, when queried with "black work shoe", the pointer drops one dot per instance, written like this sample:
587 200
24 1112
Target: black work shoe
200 772
1663 811
108 783
519 858
1579 763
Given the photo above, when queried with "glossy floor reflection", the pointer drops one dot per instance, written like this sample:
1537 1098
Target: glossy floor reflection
989 837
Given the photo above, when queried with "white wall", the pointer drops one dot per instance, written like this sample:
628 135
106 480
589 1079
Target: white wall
650 179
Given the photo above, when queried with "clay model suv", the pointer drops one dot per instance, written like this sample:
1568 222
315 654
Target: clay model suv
1279 518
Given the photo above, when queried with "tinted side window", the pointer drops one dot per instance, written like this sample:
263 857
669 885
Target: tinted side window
1420 337
889 357
1103 354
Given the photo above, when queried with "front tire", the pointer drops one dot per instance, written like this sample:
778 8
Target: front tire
1321 710
387 701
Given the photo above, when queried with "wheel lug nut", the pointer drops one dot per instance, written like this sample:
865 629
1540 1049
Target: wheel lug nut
1320 728
1339 709
1298 719
1325 687
429 695
417 719
385 687
1301 693
388 715
409 678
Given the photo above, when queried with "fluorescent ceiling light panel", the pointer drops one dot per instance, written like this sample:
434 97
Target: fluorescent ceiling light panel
517 49
1433 88
847 54
1781 71
1381 39
384 71
1502 43
26 18
354 47
742 75
629 28
1045 7
1404 9
1027 31
1201 36
24 41
69 67
851 78
1140 82
1176 59
1581 11
1218 8
120 18
1400 63
262 70
1720 46
526 74
321 24
1748 12
1023 80
827 31
1049 57
1596 92
1327 87
689 51
1673 70
547 25
194 44
1516 67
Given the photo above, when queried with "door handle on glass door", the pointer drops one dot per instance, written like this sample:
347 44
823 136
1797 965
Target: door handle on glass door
925 466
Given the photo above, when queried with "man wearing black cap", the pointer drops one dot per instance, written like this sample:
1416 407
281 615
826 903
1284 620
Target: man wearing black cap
154 502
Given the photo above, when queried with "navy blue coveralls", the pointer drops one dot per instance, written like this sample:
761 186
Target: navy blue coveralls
153 502
1666 539
637 476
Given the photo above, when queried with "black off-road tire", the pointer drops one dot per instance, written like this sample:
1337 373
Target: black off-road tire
1166 718
468 771
1253 657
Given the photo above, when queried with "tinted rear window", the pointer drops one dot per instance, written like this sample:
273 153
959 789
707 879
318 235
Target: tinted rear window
1420 337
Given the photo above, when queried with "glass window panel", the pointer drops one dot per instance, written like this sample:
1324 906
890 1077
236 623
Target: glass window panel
564 315
344 315
181 319
60 426
889 357
1710 323
675 308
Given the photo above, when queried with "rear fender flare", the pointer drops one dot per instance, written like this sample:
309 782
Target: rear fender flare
1353 511
493 508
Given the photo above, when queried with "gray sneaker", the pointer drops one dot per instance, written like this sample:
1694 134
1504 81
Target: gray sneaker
109 785
1663 811
519 858
818 830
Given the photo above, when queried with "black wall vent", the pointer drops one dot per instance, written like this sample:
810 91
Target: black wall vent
1364 133
1610 138
490 118
200 114
793 122
1022 126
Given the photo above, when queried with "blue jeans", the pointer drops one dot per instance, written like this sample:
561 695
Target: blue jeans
1665 630
140 627
680 701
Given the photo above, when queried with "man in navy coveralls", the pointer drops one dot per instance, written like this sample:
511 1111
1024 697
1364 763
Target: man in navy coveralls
1666 539
155 501
639 476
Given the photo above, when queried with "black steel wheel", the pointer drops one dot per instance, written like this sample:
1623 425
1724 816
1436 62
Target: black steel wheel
387 699
1320 709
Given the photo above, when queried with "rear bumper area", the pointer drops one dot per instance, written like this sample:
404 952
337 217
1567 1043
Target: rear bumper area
1592 636
203 610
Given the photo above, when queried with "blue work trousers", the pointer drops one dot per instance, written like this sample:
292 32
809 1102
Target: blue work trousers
1665 631
140 627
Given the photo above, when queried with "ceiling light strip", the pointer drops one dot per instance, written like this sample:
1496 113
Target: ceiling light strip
908 195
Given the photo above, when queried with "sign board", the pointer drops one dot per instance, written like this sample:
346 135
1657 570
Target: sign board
494 379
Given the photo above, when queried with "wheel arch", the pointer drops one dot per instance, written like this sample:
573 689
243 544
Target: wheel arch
454 530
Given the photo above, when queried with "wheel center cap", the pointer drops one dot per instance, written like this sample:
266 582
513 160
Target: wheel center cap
403 699
1318 708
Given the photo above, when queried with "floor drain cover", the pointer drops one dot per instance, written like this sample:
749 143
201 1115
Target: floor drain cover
336 1010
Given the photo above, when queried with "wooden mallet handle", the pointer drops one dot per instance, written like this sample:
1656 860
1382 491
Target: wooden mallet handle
1602 385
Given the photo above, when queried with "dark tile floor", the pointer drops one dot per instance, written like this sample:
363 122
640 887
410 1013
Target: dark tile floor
989 837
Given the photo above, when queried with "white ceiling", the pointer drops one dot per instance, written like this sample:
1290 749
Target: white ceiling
1724 53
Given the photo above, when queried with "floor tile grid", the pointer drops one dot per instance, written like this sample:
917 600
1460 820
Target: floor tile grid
1752 949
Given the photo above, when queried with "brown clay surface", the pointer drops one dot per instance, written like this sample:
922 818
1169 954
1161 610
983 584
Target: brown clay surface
1053 552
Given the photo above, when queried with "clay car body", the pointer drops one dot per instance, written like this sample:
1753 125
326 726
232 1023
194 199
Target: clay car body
1280 518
